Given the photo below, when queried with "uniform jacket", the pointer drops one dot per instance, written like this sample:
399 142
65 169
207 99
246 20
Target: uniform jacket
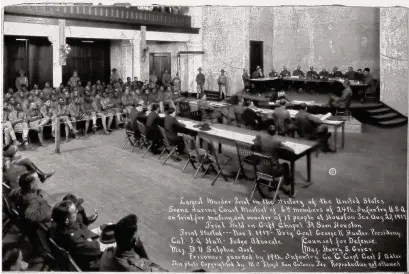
34 207
47 111
298 72
350 75
127 100
15 116
166 78
164 96
323 74
106 103
222 80
285 73
312 74
345 98
171 126
336 74
200 79
282 119
75 110
307 123
34 114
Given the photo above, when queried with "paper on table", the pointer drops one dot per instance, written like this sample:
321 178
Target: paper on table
298 148
326 116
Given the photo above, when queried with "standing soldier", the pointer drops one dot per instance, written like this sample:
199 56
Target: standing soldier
21 80
222 81
200 81
74 79
153 79
166 78
47 89
127 101
117 110
36 121
18 120
63 112
107 108
115 75
176 85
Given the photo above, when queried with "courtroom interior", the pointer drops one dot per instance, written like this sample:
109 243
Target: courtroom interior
119 120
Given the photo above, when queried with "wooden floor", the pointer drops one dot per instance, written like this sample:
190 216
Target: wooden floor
117 182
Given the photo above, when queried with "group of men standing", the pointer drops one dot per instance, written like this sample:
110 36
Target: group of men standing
221 82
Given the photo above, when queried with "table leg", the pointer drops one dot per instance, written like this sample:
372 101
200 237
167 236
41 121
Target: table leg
335 137
201 142
292 179
343 135
308 167
220 148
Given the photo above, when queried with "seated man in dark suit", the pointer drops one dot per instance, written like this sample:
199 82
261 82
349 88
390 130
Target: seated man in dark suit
75 237
135 115
129 255
172 127
250 117
311 127
282 120
152 129
270 146
344 100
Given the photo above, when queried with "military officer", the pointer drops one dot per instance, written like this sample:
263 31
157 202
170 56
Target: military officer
9 134
48 113
222 82
285 72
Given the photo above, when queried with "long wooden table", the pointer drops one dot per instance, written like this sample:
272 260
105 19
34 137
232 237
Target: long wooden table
335 124
229 135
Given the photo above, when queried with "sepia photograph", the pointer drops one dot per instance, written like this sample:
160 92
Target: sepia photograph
204 137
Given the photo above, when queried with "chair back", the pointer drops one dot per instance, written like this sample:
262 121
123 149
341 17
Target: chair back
206 112
243 150
164 137
184 108
141 128
211 152
266 165
190 144
64 259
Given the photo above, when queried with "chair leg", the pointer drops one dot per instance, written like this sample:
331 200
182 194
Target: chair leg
170 154
278 189
134 146
253 190
163 151
207 169
184 167
126 142
146 151
198 169
237 176
215 178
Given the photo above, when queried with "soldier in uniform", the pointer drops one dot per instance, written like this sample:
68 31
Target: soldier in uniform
36 121
47 89
200 81
48 113
21 80
285 72
76 111
166 78
273 73
117 110
62 111
165 98
89 114
129 255
97 87
222 82
127 101
9 134
152 98
108 108
335 73
324 74
74 236
35 90
74 79
18 120
115 75
100 113
176 85
153 79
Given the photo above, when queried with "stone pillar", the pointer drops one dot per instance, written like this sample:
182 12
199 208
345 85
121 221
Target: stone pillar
136 56
144 64
57 68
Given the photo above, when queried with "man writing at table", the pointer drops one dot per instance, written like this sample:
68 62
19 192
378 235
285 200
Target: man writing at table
270 146
311 127
311 75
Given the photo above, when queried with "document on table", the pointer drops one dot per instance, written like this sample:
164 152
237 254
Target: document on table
298 148
326 116
296 102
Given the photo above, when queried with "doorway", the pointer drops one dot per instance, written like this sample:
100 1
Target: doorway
256 55
159 62
33 55
90 58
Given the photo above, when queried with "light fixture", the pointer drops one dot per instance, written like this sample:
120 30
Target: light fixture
87 42
21 39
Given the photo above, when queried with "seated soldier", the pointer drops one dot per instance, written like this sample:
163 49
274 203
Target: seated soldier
100 113
370 82
36 121
47 89
250 117
172 127
129 255
18 120
15 166
8 131
89 113
76 110
107 107
63 111
48 113
127 101
341 102
311 127
152 98
270 146
282 120
118 108
165 98
74 236
152 129
54 101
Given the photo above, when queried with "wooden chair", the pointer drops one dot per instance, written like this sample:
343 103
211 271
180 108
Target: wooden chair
168 147
208 114
144 142
195 154
213 161
266 180
64 260
245 156
184 109
11 213
345 111
130 138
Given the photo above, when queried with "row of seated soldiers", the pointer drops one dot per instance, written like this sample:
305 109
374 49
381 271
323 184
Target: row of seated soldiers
33 110
67 224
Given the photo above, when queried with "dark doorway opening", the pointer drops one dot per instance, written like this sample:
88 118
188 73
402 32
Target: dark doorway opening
90 58
160 62
256 55
34 55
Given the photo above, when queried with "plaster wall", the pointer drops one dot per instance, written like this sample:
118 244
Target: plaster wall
394 43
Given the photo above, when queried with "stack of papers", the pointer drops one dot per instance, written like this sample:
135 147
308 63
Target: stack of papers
298 148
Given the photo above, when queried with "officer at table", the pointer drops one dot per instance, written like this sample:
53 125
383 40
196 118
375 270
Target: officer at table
312 75
350 74
335 73
324 74
298 72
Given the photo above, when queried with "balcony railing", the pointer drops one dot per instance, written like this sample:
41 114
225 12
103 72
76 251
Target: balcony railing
115 14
